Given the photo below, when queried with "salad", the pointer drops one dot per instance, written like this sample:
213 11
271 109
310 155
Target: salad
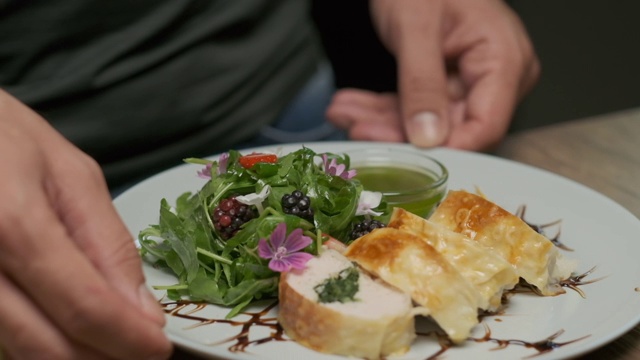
255 216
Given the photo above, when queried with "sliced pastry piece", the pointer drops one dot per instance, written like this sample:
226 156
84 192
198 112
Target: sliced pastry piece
534 257
332 306
404 260
488 272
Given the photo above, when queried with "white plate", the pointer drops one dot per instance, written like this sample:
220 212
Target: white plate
602 234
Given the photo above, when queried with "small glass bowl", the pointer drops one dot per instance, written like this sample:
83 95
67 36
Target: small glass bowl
407 177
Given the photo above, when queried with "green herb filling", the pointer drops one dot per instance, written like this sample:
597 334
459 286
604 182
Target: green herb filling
342 288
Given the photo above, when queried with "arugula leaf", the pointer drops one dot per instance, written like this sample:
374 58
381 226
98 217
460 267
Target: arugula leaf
205 288
173 230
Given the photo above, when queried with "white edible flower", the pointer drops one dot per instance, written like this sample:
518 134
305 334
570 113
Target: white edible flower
255 199
369 200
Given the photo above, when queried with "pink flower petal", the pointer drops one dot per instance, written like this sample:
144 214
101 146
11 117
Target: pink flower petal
223 161
324 162
278 236
333 168
205 173
339 168
281 249
298 260
281 265
349 174
296 241
264 250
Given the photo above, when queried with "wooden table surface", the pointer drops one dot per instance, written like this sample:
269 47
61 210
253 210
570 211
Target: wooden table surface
602 153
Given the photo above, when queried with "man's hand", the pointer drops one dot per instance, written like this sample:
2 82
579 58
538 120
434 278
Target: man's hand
463 65
70 276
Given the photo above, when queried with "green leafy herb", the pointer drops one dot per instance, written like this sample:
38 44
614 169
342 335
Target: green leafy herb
343 287
229 272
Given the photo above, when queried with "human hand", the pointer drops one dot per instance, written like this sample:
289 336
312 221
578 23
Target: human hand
463 65
70 275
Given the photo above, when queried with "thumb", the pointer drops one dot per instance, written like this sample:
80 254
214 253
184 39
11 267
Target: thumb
422 80
92 221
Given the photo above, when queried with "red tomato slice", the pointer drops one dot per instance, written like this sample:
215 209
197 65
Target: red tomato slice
247 161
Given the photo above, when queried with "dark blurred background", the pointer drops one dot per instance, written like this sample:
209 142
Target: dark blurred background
589 50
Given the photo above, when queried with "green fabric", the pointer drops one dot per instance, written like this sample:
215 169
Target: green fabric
141 84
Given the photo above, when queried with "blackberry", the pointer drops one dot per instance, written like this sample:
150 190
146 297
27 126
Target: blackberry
298 204
230 215
364 227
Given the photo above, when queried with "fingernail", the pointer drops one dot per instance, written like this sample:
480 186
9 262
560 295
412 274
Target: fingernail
427 130
150 305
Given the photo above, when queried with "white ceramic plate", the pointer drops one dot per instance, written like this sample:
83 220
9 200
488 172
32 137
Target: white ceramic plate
602 234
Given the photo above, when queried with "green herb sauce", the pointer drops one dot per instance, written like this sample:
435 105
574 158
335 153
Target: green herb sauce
392 178
402 187
342 288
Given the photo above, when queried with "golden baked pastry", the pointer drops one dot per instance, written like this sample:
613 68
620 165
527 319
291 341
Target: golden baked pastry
404 260
535 258
488 272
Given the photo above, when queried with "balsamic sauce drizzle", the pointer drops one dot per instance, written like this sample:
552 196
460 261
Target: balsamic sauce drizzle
574 281
540 228
241 340
542 346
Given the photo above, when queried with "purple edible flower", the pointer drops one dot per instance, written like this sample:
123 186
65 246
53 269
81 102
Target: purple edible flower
223 160
335 169
284 251
205 173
